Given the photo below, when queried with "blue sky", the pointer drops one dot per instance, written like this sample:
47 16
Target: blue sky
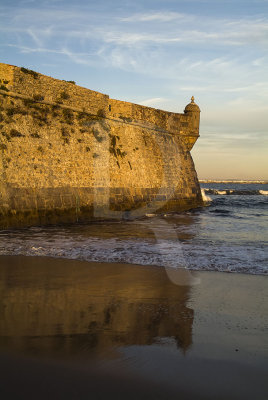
160 53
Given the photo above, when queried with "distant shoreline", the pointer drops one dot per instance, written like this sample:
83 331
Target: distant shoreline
263 182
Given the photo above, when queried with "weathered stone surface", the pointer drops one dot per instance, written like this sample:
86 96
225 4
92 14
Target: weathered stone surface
68 154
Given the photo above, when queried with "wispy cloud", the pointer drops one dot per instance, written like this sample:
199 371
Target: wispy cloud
192 28
167 44
27 50
36 37
160 17
153 101
144 28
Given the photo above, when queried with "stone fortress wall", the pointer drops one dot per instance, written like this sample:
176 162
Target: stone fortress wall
68 154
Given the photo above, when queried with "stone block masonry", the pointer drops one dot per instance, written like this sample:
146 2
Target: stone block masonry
71 154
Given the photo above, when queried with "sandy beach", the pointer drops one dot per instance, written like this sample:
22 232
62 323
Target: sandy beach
72 329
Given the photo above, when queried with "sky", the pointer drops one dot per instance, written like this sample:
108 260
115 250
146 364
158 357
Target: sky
159 53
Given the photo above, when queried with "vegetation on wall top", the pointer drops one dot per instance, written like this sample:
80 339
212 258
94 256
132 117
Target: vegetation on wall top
30 72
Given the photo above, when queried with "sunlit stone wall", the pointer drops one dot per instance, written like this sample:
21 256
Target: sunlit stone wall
68 154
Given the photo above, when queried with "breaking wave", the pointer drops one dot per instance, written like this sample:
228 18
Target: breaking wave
234 192
235 181
224 257
206 199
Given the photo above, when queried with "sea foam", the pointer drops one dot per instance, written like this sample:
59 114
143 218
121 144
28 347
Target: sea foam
206 199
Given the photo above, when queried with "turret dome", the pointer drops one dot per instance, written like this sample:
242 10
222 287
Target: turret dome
192 106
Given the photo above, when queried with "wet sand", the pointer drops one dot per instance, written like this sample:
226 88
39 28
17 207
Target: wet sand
78 330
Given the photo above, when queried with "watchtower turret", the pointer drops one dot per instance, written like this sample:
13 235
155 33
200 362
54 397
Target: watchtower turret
193 113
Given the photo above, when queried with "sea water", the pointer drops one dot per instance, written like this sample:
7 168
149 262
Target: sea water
66 320
229 234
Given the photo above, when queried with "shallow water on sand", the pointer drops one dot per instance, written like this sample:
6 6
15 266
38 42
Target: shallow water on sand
188 331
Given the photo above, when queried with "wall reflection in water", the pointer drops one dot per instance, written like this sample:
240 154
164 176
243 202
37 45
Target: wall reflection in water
70 309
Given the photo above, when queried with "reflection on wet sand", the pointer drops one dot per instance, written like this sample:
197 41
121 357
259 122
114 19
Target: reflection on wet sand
64 308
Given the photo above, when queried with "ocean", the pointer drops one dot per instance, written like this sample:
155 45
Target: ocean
151 318
228 235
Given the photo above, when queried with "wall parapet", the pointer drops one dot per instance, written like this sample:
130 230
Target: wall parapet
53 91
121 120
